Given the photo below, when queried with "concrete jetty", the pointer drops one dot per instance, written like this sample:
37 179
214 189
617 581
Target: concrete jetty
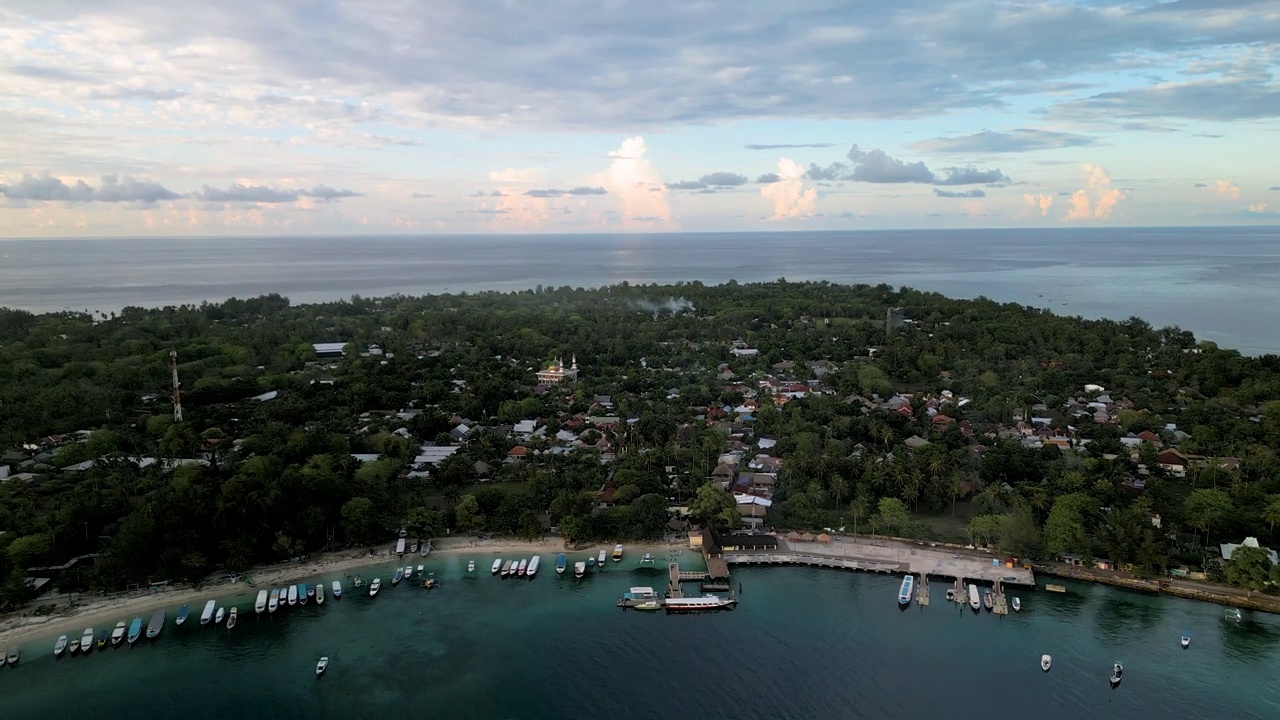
922 591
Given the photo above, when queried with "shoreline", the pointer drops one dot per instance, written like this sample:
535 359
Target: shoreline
103 612
1210 594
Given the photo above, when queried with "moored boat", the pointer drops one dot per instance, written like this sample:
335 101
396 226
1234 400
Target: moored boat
302 593
337 589
496 567
561 564
641 593
101 639
183 613
207 614
273 600
649 605
1046 662
905 590
975 602
117 635
395 579
591 562
319 593
429 581
506 568
1186 640
1016 604
12 657
524 565
357 582
135 630
231 617
60 646
705 603
533 567
419 569
471 566
579 569
75 648
86 641
647 559
1117 674
617 552
988 600
260 603
156 626
374 587
322 666
408 572
293 595
600 558
219 616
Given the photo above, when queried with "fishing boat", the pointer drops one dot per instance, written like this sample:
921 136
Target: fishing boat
419 569
75 648
293 595
429 581
183 613
706 603
135 630
60 646
617 552
905 589
974 601
12 657
579 569
506 568
231 618
156 626
86 641
1186 640
600 559
395 579
524 565
357 582
322 666
101 639
319 593
647 559
117 635
471 566
408 572
649 605
219 616
1117 674
1046 662
207 614
374 587
337 589
273 600
988 600
591 562
561 564
302 593
1016 604
533 567
496 567
1233 614
260 603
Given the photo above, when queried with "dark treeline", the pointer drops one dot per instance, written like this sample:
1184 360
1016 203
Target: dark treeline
278 477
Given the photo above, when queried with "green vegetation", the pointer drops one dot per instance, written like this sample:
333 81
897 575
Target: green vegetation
242 481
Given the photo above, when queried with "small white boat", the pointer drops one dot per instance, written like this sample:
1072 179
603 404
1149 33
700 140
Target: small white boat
60 646
1046 662
524 565
1186 641
533 567
337 589
471 566
419 569
579 569
1016 604
322 666
319 593
12 657
222 614
375 586
617 553
975 602
506 568
1117 673
117 635
231 619
293 594
600 558
75 648
207 614
261 603
496 567
86 641
273 600
408 571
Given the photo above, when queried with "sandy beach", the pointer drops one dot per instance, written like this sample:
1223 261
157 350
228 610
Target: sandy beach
103 613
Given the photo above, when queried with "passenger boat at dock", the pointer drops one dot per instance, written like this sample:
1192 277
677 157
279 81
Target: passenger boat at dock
905 590
706 603
988 600
975 602
561 564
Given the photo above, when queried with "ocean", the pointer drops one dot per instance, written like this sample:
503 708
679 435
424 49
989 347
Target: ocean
1220 283
804 642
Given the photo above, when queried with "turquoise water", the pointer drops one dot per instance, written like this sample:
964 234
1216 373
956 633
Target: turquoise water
803 643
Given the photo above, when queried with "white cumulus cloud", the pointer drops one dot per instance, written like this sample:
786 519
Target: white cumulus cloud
1226 189
1097 199
788 193
636 183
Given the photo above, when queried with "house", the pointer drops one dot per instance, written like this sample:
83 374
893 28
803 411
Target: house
916 442
746 541
752 516
1229 548
1173 461
460 432
517 453
525 427
744 352
723 473
328 349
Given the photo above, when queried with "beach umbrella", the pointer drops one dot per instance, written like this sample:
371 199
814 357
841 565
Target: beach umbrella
807 537
793 536
824 538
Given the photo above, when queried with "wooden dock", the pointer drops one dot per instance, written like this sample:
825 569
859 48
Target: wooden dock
674 588
922 590
958 592
813 561
1001 604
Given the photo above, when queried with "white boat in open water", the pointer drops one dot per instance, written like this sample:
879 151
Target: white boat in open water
319 593
471 566
337 589
374 587
322 666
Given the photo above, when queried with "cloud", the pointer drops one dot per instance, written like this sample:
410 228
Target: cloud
1274 187
1201 185
327 194
1104 199
1227 190
788 194
46 187
767 178
972 176
241 193
790 146
516 176
710 181
634 180
1020 140
878 167
974 193
422 196
551 193
1040 202
1258 208
1221 99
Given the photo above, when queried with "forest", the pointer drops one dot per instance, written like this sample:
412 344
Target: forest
242 480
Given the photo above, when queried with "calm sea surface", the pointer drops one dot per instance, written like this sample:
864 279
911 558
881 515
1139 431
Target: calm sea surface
803 643
1218 282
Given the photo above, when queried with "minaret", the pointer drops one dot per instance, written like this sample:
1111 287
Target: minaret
575 362
177 394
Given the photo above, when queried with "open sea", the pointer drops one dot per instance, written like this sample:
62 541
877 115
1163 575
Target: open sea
1220 283
803 643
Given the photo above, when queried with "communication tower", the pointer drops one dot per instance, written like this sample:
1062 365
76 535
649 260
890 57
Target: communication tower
177 393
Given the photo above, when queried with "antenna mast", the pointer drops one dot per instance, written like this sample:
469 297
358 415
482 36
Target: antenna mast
177 394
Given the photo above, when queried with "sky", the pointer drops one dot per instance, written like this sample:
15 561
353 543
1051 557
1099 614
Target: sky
288 117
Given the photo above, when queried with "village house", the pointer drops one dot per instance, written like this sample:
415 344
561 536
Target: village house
1172 461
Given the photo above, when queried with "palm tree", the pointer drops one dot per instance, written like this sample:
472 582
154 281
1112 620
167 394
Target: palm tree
839 488
1271 515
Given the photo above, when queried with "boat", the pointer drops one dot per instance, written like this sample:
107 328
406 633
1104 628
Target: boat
1117 674
617 552
117 635
649 605
641 593
311 591
12 657
183 613
533 567
408 572
357 582
561 564
579 569
420 569
231 619
60 646
988 600
273 600
1016 604
207 614
75 648
322 666
395 579
647 559
293 595
706 603
1186 641
429 581
374 587
319 593
974 601
135 630
302 593
156 625
951 593
524 566
905 589
506 568
1046 662
261 603
496 567
222 613
1055 588
600 559
591 562
471 566
86 641
337 589
1233 614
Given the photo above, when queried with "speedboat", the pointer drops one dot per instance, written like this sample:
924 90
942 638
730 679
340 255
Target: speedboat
617 552
395 579
1117 673
273 600
408 572
86 641
649 605
75 648
600 558
337 589
533 567
60 646
231 619
1016 604
561 564
591 562
374 587
471 566
183 612
496 567
117 635
322 666
135 630
319 593
101 639
1046 662
579 569
988 600
218 618
1186 641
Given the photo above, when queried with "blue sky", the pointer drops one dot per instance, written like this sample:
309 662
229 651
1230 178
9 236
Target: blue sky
385 116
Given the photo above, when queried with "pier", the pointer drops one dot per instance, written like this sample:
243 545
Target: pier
922 591
674 578
958 592
1000 606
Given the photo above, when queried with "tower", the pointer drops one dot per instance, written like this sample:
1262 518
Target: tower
177 393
